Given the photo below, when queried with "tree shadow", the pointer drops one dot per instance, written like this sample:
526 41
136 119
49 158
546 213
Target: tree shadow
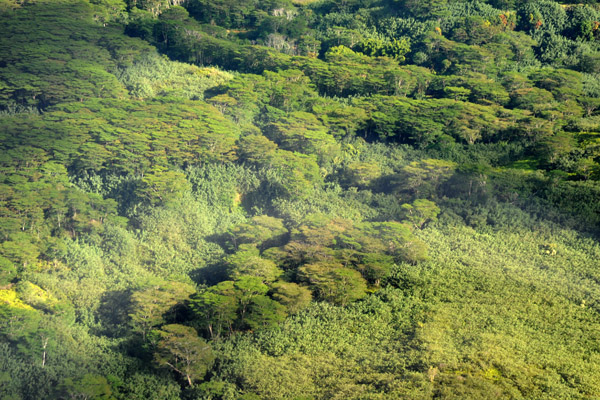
210 274
113 313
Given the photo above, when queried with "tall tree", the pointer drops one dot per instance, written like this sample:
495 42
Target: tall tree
181 350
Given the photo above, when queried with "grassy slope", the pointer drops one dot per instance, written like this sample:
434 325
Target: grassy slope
510 314
490 315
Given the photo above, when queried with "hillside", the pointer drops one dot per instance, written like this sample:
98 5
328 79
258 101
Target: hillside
275 199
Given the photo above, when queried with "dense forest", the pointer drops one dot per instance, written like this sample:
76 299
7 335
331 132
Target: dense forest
295 199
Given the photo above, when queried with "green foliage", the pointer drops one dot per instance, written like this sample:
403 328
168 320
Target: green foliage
423 178
421 211
371 199
159 186
222 12
247 262
153 76
262 231
264 313
216 308
173 240
333 283
320 353
180 349
150 306
361 174
49 65
395 49
88 386
8 271
302 132
140 386
542 16
422 9
295 297
153 6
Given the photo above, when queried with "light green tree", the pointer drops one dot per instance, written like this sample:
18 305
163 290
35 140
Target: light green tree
216 308
295 297
150 306
247 262
334 283
420 212
181 350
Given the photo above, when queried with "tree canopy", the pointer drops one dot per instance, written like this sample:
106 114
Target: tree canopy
297 199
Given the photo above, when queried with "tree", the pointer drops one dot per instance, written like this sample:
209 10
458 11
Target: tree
149 306
262 231
375 266
361 174
293 296
320 229
106 11
334 283
8 271
180 349
590 62
304 133
556 147
341 119
289 89
564 84
216 308
25 327
391 238
161 186
540 16
420 212
425 8
264 312
89 386
296 174
246 289
457 93
583 22
423 178
247 262
394 48
257 150
475 30
590 105
228 13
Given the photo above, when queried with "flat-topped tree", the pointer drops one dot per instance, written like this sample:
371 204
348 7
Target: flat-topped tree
247 262
181 350
292 295
216 308
150 307
332 282
304 133
261 231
